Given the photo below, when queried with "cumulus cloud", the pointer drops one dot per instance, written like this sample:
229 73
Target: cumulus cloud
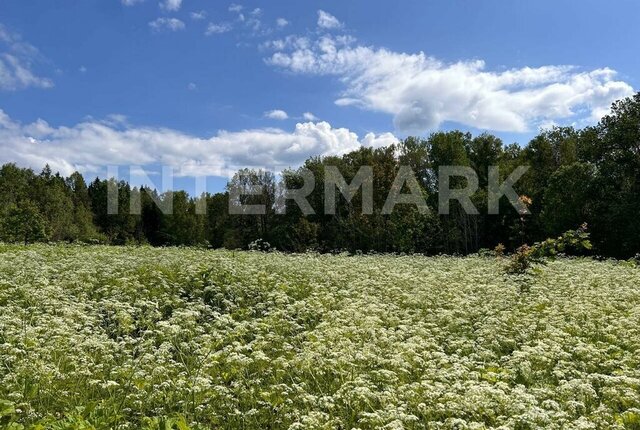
276 114
17 60
422 92
92 144
281 22
168 24
328 21
378 141
218 28
237 8
308 116
130 2
171 5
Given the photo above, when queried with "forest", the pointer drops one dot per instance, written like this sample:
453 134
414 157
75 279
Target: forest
576 175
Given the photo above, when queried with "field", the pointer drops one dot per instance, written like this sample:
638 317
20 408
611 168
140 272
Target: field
108 337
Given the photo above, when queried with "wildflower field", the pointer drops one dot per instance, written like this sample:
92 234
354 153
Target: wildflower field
130 338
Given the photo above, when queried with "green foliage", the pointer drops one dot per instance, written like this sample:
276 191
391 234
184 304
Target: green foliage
566 201
571 241
23 224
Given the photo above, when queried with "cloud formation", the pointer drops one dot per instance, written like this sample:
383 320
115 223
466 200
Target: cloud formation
237 8
197 16
218 28
422 92
17 59
276 114
328 21
168 24
91 145
171 5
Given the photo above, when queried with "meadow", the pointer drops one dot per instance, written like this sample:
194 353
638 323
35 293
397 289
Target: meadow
160 338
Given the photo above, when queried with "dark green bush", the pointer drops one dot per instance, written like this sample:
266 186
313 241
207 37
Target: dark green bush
571 242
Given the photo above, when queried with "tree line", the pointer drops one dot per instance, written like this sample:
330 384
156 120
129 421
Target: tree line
587 175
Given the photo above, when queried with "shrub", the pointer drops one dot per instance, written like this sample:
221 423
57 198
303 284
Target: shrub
572 241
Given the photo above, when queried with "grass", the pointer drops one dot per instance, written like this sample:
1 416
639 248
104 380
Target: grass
129 338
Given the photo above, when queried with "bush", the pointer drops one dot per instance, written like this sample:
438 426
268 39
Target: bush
572 241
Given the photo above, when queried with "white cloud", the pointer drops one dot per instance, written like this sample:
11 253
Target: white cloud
169 24
327 21
131 2
378 141
16 74
281 22
192 86
249 25
171 5
289 42
197 16
308 116
91 145
254 23
17 59
276 114
422 92
219 28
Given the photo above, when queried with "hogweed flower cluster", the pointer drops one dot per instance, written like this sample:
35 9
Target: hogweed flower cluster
130 338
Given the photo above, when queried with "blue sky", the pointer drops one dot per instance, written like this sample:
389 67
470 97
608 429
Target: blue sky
211 86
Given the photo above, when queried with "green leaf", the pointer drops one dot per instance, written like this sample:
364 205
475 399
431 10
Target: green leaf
7 408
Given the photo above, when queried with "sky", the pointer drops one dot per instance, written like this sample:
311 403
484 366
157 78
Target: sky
207 87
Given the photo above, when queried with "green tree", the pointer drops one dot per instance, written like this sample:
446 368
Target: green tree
184 226
85 229
250 187
615 151
23 223
568 198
